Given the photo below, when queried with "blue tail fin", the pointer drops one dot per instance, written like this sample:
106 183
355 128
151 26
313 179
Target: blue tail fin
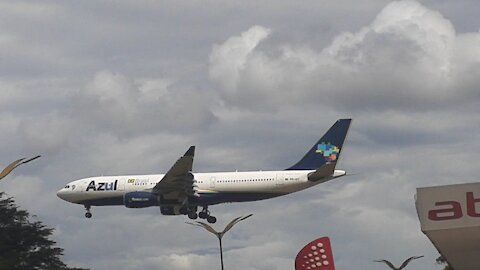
327 149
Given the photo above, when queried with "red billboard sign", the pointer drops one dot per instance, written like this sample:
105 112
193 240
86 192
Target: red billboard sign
316 255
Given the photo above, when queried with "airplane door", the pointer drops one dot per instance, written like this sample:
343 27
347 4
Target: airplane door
213 179
280 179
80 187
121 184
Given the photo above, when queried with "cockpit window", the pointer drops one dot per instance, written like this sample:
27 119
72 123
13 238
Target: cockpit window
67 186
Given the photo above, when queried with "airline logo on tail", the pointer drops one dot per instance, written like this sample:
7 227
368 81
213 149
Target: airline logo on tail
328 150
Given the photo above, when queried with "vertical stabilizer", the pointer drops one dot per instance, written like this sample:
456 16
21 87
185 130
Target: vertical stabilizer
327 149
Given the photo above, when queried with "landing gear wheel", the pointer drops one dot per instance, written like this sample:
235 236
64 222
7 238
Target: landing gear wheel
183 211
211 219
192 215
203 215
88 214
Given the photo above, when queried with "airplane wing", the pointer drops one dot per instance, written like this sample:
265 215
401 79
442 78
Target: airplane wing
178 182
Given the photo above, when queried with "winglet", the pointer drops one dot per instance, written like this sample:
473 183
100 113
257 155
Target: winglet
190 152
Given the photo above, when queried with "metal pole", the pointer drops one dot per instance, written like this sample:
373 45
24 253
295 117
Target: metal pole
221 249
219 234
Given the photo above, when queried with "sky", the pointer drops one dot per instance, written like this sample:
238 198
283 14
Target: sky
125 87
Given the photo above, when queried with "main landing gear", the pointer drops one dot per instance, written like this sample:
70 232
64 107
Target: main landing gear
191 212
205 214
88 214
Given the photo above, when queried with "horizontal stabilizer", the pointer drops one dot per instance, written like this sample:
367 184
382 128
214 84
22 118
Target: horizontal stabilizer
326 170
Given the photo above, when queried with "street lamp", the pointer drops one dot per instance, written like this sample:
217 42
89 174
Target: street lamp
13 165
404 264
219 234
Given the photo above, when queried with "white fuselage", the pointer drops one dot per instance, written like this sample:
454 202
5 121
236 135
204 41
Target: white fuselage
212 188
182 192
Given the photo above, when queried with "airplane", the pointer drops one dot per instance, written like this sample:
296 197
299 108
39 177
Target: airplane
181 191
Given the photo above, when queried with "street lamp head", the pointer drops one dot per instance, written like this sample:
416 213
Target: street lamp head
15 164
245 217
194 224
219 234
226 229
233 222
207 227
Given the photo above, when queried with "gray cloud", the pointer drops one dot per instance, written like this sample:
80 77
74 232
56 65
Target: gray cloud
120 88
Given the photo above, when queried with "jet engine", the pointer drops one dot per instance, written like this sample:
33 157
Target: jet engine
139 199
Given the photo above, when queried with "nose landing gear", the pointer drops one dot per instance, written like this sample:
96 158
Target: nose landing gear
88 214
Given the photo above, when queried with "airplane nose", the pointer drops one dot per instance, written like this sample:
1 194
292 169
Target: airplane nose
61 194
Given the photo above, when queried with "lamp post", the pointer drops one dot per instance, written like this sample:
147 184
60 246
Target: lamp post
404 264
13 165
219 234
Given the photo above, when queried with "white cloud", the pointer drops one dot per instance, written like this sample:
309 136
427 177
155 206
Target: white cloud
387 62
229 59
113 90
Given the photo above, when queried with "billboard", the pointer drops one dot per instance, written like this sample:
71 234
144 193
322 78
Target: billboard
315 255
450 218
447 207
